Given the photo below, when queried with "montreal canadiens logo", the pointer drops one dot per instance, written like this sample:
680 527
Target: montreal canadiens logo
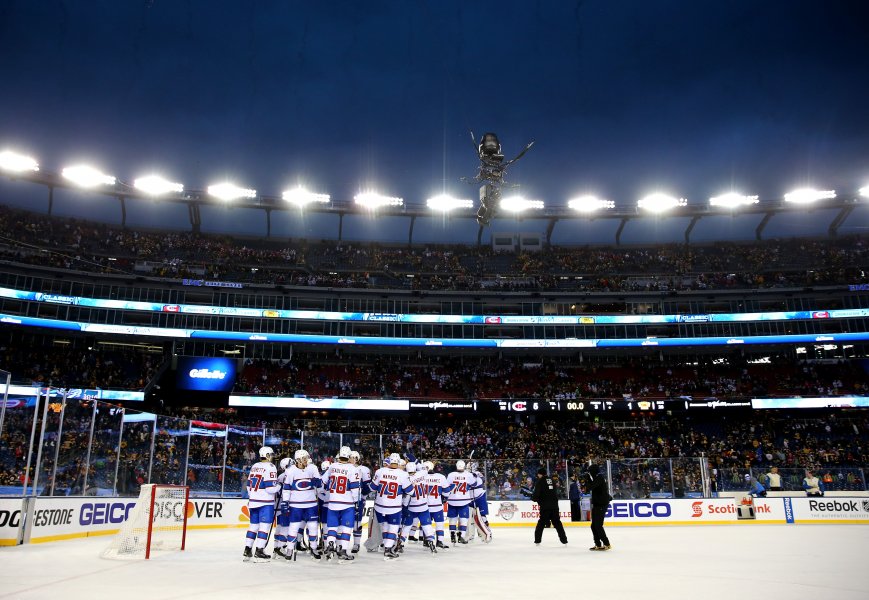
866 505
697 509
506 510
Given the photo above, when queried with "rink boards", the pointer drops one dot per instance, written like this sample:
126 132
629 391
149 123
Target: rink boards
54 519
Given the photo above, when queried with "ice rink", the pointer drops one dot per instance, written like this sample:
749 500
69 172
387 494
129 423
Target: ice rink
725 561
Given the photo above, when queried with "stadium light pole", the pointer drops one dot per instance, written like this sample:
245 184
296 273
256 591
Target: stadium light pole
302 197
155 185
227 192
14 162
87 177
446 203
589 204
809 195
732 200
374 200
518 204
660 202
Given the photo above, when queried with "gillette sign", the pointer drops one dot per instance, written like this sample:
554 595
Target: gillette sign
205 374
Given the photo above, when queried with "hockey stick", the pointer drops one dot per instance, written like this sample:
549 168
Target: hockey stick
275 510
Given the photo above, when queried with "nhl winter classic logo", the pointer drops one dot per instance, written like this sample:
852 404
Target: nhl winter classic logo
506 510
866 505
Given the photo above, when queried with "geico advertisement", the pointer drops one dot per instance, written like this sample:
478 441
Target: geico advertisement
10 521
827 509
646 511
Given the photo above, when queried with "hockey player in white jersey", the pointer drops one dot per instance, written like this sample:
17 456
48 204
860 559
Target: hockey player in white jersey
414 529
323 506
480 505
459 495
390 485
283 520
417 507
365 489
300 493
343 481
262 486
436 483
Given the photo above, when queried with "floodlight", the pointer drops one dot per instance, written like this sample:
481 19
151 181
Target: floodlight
518 204
17 163
229 191
374 200
300 196
808 195
154 185
589 204
87 177
732 200
864 191
445 203
659 202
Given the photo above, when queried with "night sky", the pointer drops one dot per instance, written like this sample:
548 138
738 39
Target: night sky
622 98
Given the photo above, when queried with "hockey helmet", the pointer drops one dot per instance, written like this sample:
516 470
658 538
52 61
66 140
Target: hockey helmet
428 466
266 452
285 462
325 465
460 465
394 459
344 453
410 467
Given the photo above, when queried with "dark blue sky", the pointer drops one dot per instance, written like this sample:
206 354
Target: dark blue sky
621 97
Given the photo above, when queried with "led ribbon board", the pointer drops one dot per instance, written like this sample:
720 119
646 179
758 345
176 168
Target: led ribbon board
314 315
292 338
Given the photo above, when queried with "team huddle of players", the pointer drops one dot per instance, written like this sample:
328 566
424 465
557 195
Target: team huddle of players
328 504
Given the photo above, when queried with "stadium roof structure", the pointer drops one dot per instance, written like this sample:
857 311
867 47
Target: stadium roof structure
194 199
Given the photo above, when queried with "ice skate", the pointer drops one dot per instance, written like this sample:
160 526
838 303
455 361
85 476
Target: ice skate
248 554
260 555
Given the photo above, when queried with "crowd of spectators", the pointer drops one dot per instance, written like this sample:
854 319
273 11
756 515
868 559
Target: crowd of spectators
651 454
39 360
79 245
494 378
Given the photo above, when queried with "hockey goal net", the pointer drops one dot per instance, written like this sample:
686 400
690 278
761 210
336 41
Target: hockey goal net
158 523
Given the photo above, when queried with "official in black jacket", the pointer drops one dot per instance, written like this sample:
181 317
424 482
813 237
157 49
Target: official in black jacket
600 499
547 500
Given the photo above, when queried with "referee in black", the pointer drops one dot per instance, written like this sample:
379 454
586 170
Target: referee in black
600 499
547 500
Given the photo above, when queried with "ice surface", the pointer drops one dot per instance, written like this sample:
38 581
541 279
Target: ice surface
724 561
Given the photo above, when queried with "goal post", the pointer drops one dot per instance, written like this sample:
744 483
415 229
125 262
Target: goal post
157 523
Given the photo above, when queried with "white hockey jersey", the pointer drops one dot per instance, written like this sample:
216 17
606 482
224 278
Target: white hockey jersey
262 484
460 488
479 484
435 482
343 481
365 479
300 486
418 493
390 485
